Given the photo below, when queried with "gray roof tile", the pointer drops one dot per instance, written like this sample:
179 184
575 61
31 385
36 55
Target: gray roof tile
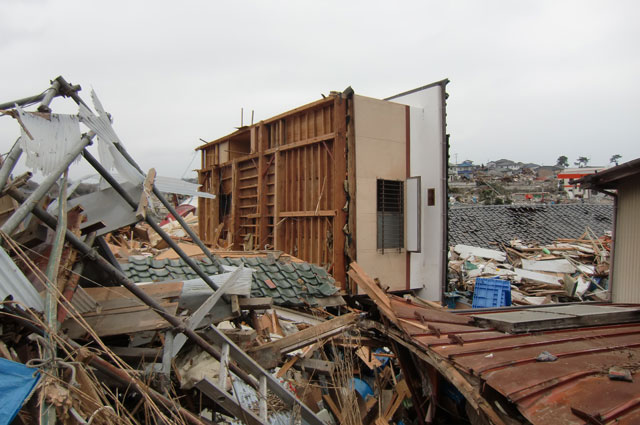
488 225
296 283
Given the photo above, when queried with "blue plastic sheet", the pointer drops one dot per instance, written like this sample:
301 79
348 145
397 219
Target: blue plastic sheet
16 383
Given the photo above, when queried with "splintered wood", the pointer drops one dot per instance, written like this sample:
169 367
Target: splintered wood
564 271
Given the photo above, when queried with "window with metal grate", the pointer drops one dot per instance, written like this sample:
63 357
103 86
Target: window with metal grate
390 212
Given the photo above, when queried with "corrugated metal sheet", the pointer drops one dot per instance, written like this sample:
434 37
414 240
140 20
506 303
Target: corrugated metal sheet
13 282
173 185
566 391
83 302
626 264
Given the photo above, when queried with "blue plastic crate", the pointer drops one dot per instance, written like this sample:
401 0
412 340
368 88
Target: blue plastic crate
491 293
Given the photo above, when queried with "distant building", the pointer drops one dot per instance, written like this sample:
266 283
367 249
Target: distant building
546 172
504 165
572 188
464 170
530 166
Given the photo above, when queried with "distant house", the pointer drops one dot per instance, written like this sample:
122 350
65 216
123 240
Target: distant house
624 179
573 189
504 165
545 172
463 170
530 166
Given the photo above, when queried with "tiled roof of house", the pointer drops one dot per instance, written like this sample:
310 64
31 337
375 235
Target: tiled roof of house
293 283
485 225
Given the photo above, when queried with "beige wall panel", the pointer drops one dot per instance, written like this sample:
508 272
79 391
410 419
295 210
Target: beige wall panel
379 119
626 263
390 268
380 131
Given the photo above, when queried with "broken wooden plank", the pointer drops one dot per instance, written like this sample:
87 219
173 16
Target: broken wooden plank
115 322
369 286
119 297
141 212
316 365
402 392
539 277
268 355
257 303
466 251
561 265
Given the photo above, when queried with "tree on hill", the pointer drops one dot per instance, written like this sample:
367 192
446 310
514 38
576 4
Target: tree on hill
615 158
582 161
562 161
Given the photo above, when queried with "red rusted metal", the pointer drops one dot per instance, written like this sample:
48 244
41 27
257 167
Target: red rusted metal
542 342
574 389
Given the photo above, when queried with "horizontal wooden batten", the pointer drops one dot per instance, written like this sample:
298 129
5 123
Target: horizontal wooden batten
322 213
288 192
306 142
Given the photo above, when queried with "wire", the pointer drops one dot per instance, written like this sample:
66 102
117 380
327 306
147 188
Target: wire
189 166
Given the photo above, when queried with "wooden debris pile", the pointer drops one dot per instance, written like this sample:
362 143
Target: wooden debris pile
567 270
82 342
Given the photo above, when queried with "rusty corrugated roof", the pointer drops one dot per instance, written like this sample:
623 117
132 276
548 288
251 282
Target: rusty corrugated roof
574 389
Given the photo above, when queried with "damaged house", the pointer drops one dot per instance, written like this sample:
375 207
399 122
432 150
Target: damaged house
110 315
345 178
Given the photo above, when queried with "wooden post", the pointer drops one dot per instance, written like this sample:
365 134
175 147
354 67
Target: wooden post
263 215
235 207
351 179
339 195
278 227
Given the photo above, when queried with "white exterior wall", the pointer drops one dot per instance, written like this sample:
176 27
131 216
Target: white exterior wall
428 160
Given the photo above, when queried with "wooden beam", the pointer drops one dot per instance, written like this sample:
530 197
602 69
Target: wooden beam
302 143
141 212
316 365
339 195
322 213
351 182
279 201
235 206
309 335
269 354
373 290
258 303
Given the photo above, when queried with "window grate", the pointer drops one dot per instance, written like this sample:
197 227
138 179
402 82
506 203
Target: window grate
390 214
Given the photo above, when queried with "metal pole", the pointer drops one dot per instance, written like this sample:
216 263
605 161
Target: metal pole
37 98
48 97
68 91
183 223
28 205
109 178
18 316
48 412
169 207
9 163
91 254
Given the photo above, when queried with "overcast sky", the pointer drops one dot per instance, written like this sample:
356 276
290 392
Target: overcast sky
530 81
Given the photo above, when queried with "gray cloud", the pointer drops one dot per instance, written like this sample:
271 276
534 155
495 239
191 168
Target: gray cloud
529 80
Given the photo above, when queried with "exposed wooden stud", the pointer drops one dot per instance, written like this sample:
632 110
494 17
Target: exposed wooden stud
339 195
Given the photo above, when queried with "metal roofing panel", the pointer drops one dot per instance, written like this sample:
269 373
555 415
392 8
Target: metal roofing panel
565 391
83 302
13 282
